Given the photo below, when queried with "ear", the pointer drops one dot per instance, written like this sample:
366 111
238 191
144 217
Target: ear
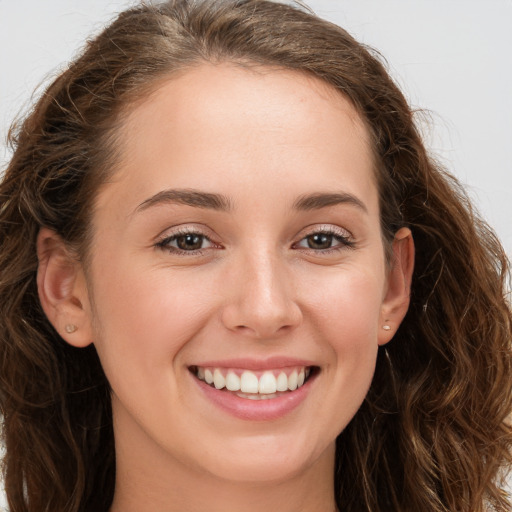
62 289
398 289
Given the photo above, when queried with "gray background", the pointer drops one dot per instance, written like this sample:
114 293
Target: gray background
451 57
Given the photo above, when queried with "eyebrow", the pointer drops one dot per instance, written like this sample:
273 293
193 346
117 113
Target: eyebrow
324 200
188 197
219 202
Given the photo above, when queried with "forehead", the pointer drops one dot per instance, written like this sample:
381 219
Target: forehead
230 122
204 91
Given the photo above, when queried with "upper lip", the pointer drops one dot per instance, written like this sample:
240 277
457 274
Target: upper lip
269 363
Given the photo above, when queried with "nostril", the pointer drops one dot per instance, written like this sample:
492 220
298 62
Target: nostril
260 315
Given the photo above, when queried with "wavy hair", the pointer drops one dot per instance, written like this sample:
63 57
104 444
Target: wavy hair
432 434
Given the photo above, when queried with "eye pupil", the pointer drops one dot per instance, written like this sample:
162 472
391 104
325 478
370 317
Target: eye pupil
189 242
319 241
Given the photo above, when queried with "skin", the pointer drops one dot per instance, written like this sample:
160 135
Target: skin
263 139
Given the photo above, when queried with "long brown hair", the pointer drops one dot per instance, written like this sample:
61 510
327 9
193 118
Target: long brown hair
432 434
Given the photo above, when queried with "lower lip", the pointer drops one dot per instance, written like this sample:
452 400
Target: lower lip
255 410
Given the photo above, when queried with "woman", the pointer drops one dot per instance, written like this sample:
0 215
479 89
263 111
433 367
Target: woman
230 272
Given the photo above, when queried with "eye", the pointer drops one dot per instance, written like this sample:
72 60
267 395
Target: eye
319 241
185 242
326 240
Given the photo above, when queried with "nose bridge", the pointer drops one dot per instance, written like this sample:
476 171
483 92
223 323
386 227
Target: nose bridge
263 302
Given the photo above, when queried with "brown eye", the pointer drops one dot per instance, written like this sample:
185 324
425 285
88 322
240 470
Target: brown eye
185 242
319 241
189 242
325 241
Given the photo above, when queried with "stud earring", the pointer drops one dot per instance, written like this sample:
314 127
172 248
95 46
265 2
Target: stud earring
386 327
70 328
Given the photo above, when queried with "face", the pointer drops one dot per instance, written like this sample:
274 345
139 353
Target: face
239 241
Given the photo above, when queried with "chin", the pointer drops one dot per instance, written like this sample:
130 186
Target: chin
265 459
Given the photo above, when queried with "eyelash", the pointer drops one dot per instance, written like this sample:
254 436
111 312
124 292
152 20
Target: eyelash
344 241
343 238
164 243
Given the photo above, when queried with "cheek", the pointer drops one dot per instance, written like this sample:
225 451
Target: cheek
346 312
144 318
352 334
353 339
345 305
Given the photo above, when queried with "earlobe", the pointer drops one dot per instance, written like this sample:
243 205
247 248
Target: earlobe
397 297
62 289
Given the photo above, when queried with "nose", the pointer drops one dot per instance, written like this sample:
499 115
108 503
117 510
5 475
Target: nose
262 302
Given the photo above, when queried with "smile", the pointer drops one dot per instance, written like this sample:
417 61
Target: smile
256 390
254 385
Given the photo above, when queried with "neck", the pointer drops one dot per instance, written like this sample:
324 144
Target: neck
200 494
154 481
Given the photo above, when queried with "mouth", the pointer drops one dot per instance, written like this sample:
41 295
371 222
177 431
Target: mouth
255 385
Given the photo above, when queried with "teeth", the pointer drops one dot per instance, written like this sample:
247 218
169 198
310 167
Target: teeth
250 386
249 382
292 381
268 383
218 379
257 396
282 382
300 378
232 381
